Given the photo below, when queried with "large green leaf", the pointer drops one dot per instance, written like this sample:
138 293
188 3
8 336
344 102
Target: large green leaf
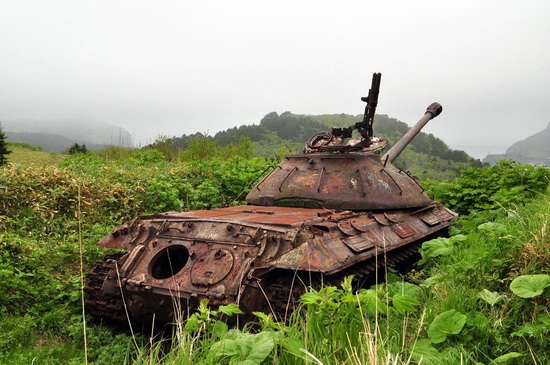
530 286
477 319
440 246
258 348
492 228
225 348
245 349
218 329
504 359
447 323
371 302
424 353
404 303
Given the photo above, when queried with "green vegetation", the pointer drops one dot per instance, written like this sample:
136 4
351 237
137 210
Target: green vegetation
501 185
480 296
4 151
23 154
76 148
277 135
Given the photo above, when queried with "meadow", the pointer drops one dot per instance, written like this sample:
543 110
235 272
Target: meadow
480 296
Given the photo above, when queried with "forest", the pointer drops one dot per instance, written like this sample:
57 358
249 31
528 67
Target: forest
480 296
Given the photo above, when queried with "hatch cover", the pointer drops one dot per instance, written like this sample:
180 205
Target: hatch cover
211 267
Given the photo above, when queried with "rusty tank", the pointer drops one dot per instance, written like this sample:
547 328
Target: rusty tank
339 208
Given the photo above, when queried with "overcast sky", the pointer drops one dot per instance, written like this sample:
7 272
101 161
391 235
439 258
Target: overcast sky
180 67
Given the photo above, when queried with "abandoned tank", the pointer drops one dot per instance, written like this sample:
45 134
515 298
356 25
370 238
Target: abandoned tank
338 208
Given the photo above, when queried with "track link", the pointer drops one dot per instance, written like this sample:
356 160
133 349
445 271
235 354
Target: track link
98 302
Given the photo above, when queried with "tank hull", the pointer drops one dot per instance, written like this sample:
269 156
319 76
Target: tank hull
246 255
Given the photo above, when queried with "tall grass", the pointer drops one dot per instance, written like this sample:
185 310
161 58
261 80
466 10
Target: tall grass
398 322
460 309
25 155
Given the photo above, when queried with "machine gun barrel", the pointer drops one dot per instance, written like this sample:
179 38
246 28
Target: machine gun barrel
365 127
432 111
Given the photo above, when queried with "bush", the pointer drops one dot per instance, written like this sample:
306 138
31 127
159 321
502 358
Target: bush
505 184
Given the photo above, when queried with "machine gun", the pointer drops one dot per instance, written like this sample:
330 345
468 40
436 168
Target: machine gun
340 139
365 126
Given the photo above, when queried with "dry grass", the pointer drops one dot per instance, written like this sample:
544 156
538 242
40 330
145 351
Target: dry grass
27 157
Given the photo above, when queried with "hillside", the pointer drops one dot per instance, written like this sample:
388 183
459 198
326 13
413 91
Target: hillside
533 150
427 156
58 135
26 155
293 130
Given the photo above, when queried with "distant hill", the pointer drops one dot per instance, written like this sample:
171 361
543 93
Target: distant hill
293 130
427 156
58 135
532 150
47 141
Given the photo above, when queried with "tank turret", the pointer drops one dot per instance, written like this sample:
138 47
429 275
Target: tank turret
338 171
336 209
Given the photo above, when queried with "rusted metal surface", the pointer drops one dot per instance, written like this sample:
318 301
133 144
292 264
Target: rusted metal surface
432 111
337 209
221 254
354 181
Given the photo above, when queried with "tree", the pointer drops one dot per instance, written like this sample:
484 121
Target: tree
4 151
76 148
201 148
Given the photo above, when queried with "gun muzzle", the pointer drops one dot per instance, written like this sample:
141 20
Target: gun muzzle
433 110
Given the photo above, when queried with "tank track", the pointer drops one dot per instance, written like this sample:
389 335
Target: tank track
283 293
98 302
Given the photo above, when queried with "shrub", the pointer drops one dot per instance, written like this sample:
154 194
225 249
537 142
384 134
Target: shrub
505 184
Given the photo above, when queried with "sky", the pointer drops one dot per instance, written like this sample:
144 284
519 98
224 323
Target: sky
168 68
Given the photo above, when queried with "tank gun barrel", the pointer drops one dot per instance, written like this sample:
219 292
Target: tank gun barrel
432 111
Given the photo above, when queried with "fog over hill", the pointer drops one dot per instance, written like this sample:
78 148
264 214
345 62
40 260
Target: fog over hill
57 135
534 149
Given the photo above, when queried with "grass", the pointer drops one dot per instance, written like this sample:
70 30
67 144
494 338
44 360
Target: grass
26 156
339 327
460 311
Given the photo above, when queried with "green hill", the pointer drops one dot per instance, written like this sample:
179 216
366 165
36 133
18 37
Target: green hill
26 155
427 156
